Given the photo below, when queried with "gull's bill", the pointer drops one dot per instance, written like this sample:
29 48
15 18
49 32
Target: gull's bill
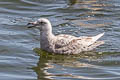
32 24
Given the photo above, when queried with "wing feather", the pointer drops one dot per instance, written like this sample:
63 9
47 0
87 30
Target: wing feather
86 41
64 40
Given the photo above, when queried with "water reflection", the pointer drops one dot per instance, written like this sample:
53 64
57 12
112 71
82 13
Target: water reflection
94 9
80 66
59 66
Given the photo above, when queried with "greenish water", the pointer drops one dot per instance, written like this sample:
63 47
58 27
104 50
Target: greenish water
20 58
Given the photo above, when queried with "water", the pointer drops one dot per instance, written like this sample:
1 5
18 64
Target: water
19 58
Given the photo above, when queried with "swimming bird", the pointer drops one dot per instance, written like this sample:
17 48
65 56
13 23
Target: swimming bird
63 43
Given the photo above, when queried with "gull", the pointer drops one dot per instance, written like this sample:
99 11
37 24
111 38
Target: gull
63 43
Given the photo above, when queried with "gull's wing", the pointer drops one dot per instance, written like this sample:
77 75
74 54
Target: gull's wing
87 41
64 40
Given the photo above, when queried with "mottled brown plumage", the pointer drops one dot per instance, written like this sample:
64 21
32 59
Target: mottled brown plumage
64 44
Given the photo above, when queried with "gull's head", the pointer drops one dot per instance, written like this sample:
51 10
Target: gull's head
42 24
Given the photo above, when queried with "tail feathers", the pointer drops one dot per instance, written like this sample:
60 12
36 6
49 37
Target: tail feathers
94 45
87 41
95 38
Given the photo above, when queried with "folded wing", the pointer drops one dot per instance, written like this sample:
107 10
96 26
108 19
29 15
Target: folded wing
87 41
65 40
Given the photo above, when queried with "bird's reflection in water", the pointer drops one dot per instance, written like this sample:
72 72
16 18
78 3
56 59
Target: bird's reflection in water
51 66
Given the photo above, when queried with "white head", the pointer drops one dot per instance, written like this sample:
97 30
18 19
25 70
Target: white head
42 24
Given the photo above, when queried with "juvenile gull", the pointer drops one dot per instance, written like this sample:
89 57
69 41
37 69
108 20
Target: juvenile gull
63 44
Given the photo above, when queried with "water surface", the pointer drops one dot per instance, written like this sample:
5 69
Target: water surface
20 61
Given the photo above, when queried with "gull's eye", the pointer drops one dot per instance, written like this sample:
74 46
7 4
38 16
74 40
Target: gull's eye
42 23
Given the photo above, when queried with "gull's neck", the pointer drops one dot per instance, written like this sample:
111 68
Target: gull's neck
47 34
46 39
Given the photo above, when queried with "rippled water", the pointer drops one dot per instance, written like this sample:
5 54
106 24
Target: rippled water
20 60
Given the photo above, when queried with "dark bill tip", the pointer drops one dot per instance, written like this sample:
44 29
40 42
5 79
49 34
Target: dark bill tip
30 25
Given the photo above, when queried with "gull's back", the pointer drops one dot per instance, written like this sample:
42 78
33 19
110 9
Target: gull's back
67 44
